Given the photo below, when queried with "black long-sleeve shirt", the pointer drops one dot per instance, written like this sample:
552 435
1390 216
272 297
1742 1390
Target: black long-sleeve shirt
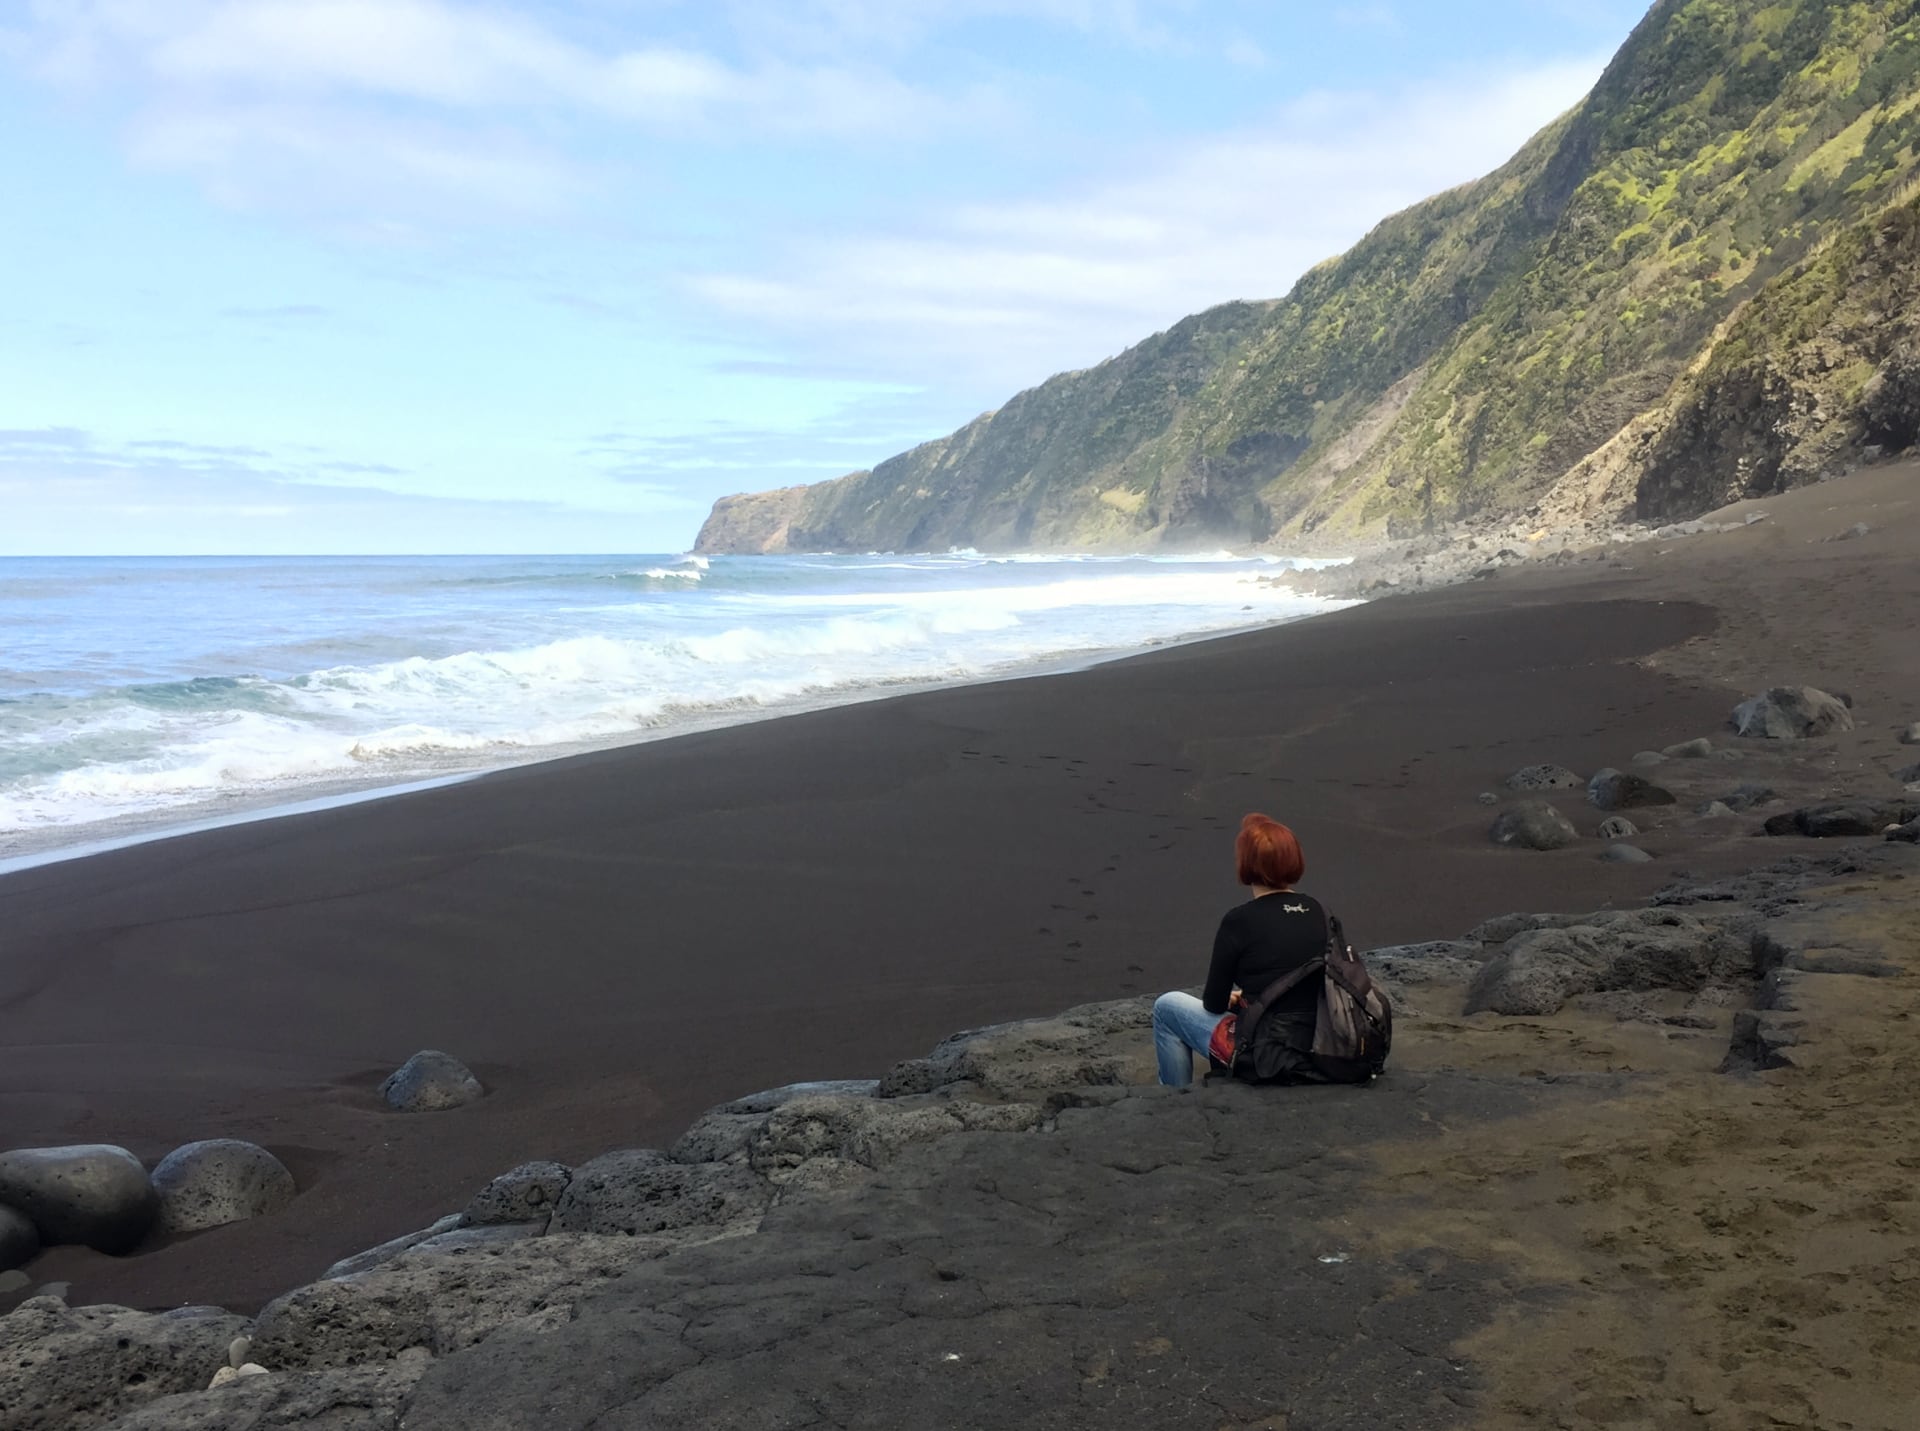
1261 940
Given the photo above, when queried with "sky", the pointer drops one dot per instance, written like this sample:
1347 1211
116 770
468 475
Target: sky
408 276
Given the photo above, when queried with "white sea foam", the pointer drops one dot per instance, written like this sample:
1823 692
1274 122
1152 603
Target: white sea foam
538 672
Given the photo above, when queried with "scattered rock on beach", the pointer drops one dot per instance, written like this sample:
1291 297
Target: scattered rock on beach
19 1241
1618 827
1838 819
1534 825
1699 749
1617 790
70 1368
1649 757
93 1194
1544 777
430 1081
1748 797
1791 713
1911 735
1908 833
1906 775
1624 854
221 1180
526 1194
1717 810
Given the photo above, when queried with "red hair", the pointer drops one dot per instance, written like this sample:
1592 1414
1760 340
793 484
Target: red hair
1266 853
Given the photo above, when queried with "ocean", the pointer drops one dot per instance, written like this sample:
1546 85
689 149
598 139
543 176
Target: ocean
138 695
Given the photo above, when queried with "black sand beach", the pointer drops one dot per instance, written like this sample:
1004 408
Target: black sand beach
618 941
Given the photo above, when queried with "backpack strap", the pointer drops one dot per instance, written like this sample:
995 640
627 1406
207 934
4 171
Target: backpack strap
1256 1010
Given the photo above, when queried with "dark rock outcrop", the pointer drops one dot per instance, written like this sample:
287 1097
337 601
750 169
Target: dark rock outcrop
1838 819
1538 970
90 1193
372 1257
221 1180
1612 789
526 1194
1533 825
1618 827
640 1191
1791 713
430 1081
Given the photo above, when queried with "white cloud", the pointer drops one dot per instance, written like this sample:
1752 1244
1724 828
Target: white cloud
1057 283
384 113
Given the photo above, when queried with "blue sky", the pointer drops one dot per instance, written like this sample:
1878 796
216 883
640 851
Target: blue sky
439 276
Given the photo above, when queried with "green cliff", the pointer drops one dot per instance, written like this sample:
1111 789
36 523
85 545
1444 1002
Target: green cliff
1694 285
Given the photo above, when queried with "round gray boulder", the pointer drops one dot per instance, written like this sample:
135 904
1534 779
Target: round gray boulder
1616 790
1544 777
19 1239
430 1081
221 1180
1911 735
1791 713
1625 855
1618 827
93 1194
1533 825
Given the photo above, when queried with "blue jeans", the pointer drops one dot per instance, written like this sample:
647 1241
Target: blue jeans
1182 1027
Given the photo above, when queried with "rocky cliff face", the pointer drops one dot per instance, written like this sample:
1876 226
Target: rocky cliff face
1603 307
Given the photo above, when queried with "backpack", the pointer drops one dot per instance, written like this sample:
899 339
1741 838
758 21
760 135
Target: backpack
1347 1039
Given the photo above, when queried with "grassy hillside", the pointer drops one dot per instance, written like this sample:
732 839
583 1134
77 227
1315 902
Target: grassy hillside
1473 349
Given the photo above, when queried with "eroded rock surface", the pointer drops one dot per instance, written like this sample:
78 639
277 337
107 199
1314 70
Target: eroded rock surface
527 1194
74 1368
1538 970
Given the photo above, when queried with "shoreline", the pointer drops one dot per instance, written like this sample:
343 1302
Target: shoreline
20 850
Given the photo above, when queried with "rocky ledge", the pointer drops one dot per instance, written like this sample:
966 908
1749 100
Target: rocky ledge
1022 1228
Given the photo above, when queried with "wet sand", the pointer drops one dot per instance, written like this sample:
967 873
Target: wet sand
617 941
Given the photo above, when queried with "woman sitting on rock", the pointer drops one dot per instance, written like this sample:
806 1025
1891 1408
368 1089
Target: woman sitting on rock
1275 932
